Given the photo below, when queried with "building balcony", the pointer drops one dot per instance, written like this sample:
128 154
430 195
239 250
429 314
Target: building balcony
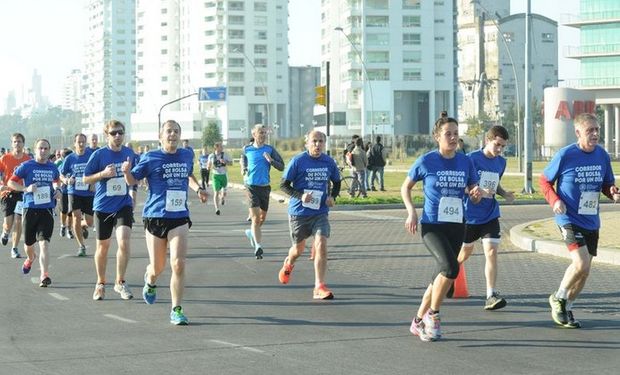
592 18
593 50
593 83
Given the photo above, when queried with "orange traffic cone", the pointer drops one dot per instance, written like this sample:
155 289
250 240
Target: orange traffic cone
460 284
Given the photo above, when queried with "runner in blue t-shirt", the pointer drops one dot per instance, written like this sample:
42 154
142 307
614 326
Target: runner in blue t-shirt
446 175
203 160
257 159
112 206
40 187
580 172
482 218
306 180
80 194
169 172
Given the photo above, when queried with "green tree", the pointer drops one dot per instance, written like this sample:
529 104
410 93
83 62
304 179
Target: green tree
211 134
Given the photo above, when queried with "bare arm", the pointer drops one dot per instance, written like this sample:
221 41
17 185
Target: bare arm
411 223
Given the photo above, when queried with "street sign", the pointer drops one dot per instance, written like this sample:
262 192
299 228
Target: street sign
212 93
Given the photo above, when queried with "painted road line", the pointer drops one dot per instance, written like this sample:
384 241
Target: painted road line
246 348
59 296
119 318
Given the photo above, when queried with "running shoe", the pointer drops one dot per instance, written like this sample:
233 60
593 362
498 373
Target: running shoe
63 231
81 251
27 266
149 292
222 201
432 325
177 317
558 310
217 212
285 273
15 253
322 292
248 234
258 253
249 218
5 238
70 234
417 329
85 232
123 290
45 281
495 302
572 322
99 292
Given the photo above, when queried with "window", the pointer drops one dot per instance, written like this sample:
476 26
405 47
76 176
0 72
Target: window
236 34
260 7
209 32
378 56
236 20
411 4
547 38
509 37
259 91
260 20
378 74
164 92
164 79
164 51
234 62
378 39
260 34
235 5
412 56
260 49
209 19
164 38
209 61
236 47
411 39
414 74
209 4
260 76
260 63
236 76
411 21
235 91
377 4
439 38
377 21
209 47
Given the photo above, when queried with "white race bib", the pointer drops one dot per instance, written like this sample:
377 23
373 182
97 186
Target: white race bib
588 203
315 203
175 200
42 195
116 186
489 181
80 185
19 208
450 210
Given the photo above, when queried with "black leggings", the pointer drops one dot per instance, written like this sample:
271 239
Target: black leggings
204 176
444 243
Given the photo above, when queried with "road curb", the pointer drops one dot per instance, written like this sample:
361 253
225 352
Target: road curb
519 238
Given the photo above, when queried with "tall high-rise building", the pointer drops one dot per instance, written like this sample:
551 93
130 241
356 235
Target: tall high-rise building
184 45
491 56
303 80
109 72
11 103
391 64
599 61
72 91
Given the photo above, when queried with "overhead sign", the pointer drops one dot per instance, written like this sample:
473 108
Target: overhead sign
212 93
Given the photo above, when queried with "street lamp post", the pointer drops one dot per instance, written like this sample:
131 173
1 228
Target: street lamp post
527 123
262 83
514 72
372 105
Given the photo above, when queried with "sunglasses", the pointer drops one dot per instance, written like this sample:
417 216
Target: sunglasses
114 133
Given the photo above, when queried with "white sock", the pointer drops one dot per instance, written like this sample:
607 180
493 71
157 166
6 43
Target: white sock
569 305
561 293
490 292
257 245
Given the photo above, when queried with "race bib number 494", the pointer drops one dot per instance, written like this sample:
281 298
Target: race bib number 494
450 210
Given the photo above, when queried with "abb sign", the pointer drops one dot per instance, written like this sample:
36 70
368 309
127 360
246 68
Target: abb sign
579 107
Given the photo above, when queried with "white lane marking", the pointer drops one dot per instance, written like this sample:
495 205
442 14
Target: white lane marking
59 297
367 215
234 230
120 318
64 256
247 348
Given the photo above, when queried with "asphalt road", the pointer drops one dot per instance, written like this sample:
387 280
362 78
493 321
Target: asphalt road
244 322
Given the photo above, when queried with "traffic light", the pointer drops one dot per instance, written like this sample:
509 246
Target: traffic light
320 96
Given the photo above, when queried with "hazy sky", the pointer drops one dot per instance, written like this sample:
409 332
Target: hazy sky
48 35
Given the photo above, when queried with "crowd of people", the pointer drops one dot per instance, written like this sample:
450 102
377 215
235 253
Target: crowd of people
95 187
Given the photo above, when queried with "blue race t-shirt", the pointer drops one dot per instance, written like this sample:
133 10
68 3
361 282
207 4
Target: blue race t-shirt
490 171
167 176
43 175
202 160
445 181
580 177
258 167
111 194
310 174
74 166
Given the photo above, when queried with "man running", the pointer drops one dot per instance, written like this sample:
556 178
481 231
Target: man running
80 194
482 219
203 161
166 215
112 206
11 201
306 181
219 162
572 183
257 159
39 177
